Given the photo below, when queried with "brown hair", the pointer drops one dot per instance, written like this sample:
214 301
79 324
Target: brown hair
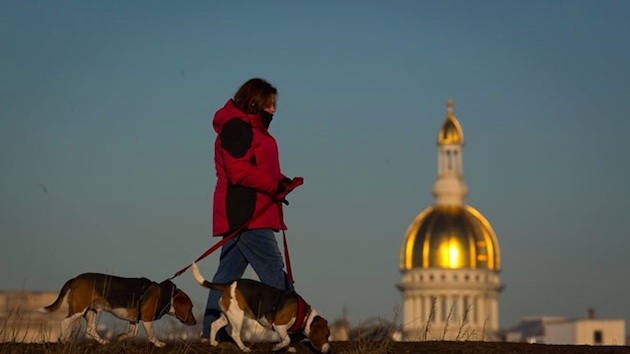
254 96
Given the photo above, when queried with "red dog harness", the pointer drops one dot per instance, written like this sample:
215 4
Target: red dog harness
303 311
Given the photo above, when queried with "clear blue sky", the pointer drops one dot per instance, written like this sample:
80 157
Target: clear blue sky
106 146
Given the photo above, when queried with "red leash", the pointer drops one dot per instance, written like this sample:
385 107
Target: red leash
296 182
287 260
216 246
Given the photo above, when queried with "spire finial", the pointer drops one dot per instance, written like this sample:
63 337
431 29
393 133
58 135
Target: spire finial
449 107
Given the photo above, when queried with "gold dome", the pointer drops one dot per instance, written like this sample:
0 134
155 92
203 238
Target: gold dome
450 131
450 237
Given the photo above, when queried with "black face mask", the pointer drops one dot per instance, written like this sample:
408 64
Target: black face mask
266 118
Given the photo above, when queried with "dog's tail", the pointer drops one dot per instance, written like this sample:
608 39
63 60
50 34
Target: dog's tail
57 304
203 282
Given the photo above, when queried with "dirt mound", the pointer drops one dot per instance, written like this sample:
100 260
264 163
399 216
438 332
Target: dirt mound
361 347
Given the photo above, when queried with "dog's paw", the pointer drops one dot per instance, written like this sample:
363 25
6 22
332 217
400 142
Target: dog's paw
246 350
159 344
291 350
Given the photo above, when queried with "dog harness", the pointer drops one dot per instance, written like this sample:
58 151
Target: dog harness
303 311
167 290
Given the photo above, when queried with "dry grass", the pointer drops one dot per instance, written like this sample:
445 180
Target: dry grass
378 345
464 332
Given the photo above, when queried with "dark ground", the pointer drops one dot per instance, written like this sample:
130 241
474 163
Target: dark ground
385 347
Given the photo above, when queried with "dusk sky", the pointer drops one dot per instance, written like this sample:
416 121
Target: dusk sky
106 143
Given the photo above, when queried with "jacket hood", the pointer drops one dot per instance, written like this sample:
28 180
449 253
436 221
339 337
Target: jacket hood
230 111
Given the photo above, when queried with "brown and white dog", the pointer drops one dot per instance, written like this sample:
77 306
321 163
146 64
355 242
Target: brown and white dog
132 299
283 311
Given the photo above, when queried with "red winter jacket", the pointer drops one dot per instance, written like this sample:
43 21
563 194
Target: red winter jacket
248 173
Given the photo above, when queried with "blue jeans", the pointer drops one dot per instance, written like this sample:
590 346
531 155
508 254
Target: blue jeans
257 248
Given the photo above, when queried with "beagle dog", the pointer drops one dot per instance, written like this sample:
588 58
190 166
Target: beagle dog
132 299
283 311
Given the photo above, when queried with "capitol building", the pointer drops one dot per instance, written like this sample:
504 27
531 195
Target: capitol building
450 258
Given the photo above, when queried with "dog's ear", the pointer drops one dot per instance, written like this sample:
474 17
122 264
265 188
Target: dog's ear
180 297
319 332
183 308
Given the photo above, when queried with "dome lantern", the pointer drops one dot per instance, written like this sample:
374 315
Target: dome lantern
450 131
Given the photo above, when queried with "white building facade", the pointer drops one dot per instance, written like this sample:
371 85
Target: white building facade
586 332
564 331
21 323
